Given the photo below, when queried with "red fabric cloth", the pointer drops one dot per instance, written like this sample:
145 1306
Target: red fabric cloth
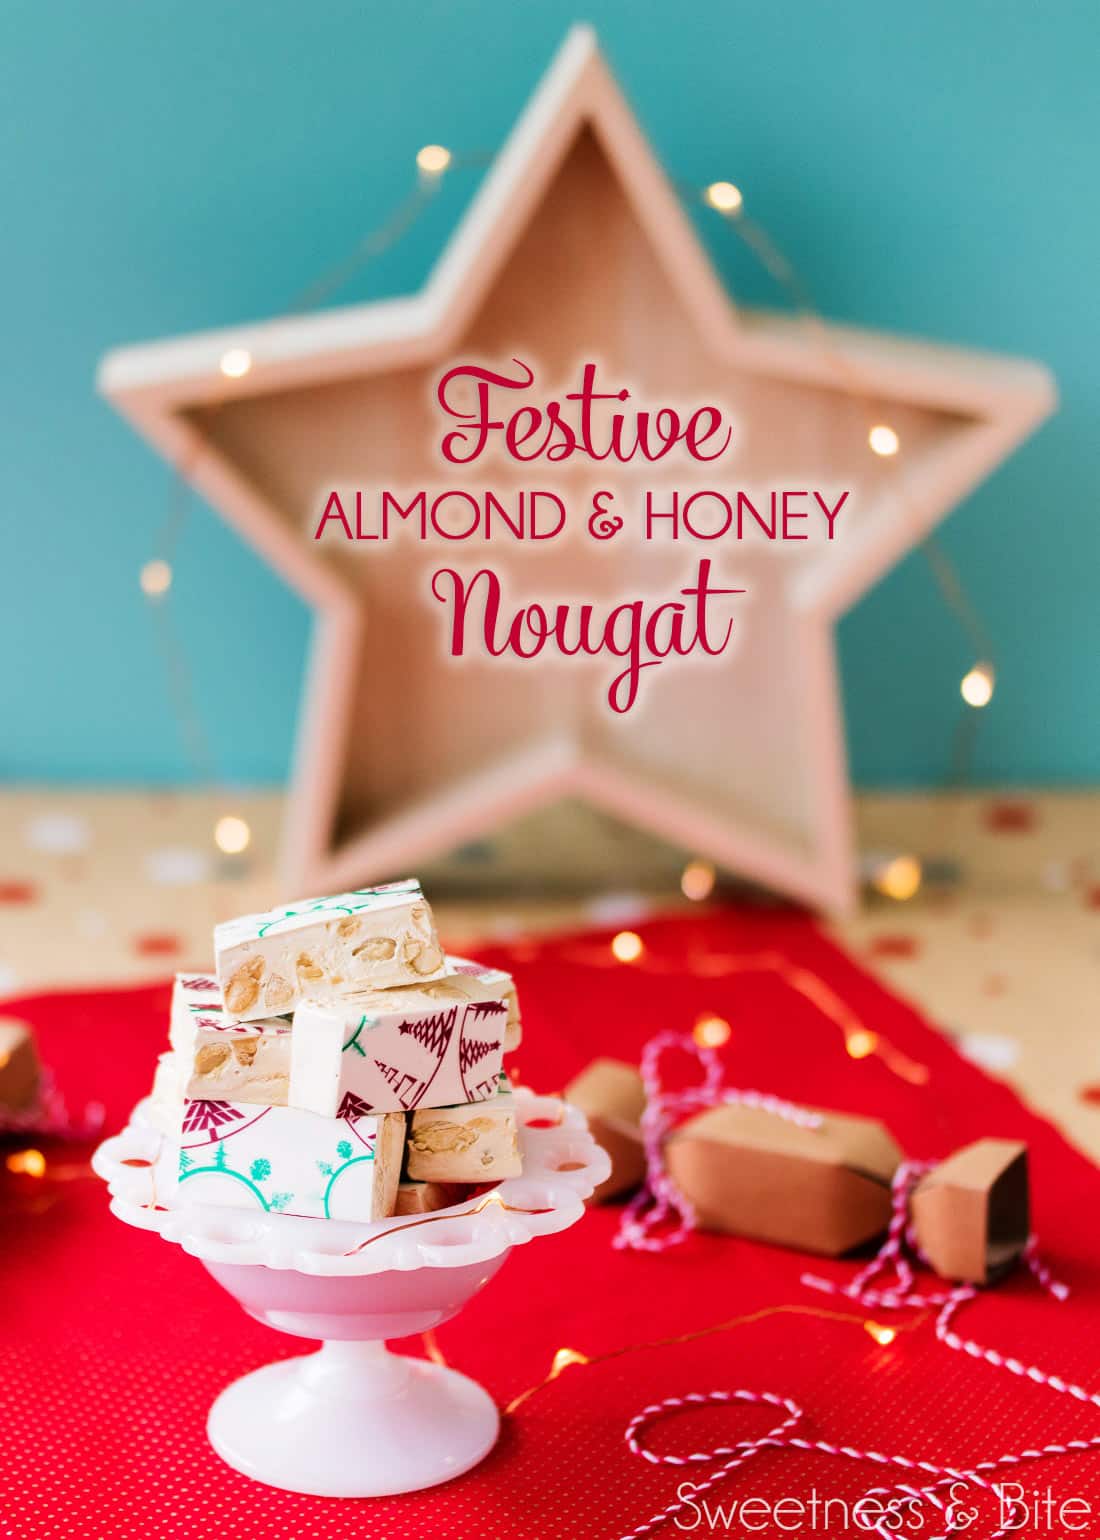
115 1343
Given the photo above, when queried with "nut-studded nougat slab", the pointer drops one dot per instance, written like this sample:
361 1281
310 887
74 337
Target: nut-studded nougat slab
285 1161
248 1061
197 1010
323 948
476 1143
239 1061
423 1045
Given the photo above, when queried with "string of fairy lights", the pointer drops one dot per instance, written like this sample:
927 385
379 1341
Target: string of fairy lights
897 876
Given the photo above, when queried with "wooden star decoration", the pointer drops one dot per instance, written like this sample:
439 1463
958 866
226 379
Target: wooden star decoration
575 247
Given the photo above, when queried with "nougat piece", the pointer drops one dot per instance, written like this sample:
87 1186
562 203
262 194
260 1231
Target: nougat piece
320 949
611 1095
421 1045
286 1161
241 1062
472 1143
423 1198
20 1073
197 1007
500 979
238 1061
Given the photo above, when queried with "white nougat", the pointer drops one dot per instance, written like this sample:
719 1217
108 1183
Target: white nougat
478 1143
196 1010
321 949
247 1062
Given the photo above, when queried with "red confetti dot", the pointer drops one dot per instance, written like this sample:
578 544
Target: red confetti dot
894 946
1090 1094
1092 898
995 984
1011 817
158 944
12 892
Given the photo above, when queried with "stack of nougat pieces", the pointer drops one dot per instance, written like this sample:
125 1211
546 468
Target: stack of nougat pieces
338 1065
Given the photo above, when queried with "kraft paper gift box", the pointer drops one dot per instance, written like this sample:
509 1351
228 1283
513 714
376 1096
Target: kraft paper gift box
424 1045
283 1160
971 1215
753 1173
20 1074
612 1097
476 1143
320 949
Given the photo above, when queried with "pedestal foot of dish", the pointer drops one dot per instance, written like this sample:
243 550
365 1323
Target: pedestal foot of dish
352 1419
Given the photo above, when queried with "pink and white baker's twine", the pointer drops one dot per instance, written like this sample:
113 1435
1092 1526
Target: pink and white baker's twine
887 1282
659 1203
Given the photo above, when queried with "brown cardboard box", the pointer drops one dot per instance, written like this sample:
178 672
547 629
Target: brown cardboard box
19 1071
971 1215
753 1173
612 1097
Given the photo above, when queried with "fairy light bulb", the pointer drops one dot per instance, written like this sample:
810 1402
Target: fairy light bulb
724 197
883 440
710 1031
232 834
900 878
27 1163
627 946
976 688
155 579
433 159
697 880
860 1043
235 363
883 1335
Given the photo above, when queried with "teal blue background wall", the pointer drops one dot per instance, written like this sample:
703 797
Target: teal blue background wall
930 168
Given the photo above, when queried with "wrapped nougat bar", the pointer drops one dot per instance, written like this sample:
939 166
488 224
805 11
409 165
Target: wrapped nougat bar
498 978
422 1045
283 1160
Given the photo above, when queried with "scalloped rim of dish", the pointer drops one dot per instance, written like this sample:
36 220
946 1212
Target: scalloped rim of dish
562 1165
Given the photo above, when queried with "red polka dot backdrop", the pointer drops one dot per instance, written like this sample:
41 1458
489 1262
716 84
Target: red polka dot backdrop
115 1343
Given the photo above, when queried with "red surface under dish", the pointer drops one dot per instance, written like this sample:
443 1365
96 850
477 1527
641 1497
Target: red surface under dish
114 1343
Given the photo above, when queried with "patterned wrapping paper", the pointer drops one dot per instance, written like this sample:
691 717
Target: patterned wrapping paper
283 1160
427 1045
